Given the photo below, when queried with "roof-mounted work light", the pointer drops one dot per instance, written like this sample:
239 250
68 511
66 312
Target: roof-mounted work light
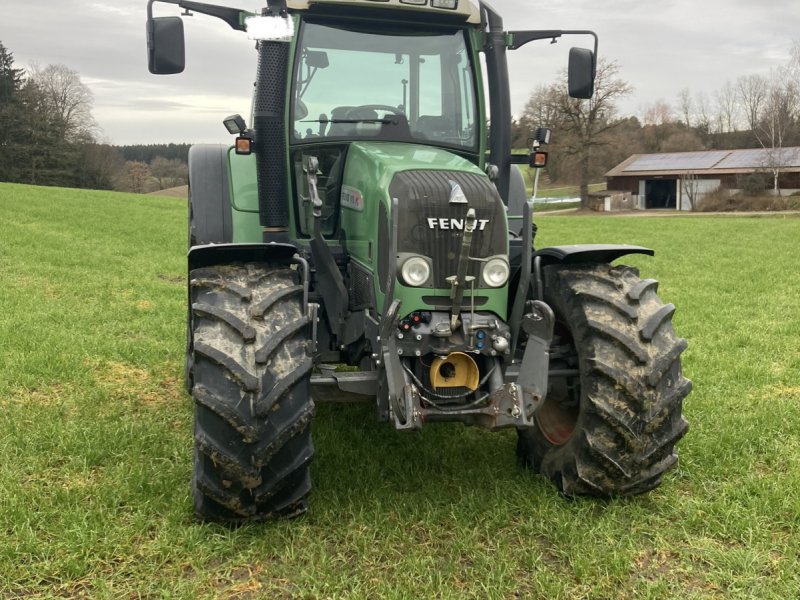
542 135
234 124
244 141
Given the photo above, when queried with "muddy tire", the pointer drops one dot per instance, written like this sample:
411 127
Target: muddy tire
251 391
612 430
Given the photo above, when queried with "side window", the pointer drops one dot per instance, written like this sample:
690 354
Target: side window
329 188
430 85
435 119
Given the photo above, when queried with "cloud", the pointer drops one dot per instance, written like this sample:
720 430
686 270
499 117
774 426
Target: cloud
661 48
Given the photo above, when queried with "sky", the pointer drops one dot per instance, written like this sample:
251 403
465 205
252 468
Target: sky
661 47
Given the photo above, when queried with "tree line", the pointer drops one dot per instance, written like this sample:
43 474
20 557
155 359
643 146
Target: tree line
48 136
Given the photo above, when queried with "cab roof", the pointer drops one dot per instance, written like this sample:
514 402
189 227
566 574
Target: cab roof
465 9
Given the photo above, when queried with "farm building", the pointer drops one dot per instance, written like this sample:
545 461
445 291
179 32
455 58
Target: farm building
681 179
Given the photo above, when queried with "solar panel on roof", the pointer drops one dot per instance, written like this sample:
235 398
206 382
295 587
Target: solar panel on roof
677 161
761 158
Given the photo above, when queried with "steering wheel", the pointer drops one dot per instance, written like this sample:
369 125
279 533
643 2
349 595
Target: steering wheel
353 112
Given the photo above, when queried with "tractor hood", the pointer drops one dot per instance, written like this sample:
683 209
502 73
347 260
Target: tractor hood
383 160
435 190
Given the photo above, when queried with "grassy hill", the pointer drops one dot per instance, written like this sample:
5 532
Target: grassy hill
95 449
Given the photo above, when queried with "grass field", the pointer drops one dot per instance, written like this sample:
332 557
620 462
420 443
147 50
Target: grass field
557 191
95 444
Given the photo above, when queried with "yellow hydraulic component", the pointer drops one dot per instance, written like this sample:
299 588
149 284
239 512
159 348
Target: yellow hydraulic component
455 370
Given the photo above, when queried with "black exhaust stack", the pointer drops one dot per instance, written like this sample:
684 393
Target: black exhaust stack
269 115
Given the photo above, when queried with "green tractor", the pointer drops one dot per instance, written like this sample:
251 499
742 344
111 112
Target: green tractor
365 218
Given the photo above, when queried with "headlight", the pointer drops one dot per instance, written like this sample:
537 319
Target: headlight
495 272
415 271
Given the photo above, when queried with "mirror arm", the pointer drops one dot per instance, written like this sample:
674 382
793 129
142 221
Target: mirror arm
232 16
520 38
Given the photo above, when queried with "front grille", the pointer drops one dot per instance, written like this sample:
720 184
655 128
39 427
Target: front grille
424 195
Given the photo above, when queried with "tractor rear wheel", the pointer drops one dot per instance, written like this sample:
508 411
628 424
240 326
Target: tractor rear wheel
251 391
611 430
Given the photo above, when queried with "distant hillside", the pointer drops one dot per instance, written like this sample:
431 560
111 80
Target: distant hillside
182 191
147 152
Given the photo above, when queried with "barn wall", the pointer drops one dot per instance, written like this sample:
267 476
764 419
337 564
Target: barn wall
702 187
623 184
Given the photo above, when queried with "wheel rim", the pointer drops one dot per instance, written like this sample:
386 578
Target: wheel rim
557 422
558 416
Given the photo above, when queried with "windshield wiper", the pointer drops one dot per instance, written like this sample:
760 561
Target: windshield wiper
384 121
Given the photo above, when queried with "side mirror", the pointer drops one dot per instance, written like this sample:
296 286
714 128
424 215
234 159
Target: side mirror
581 73
317 59
165 45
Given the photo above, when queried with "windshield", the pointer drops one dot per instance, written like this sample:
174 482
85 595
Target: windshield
398 86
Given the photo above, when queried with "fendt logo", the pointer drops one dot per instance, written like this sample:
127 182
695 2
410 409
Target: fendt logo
456 224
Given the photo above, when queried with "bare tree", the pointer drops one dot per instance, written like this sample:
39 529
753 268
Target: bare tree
752 91
702 112
169 172
689 187
134 177
585 123
685 106
541 110
794 62
657 125
727 107
68 101
776 119
682 141
657 113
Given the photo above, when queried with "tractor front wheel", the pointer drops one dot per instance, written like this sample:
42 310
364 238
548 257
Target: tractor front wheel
611 429
251 389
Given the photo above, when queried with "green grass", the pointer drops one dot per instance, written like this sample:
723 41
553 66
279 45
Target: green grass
556 191
95 444
551 206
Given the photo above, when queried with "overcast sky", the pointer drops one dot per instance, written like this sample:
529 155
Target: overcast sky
661 47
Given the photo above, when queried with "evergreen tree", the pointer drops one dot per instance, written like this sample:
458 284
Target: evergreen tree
11 81
10 78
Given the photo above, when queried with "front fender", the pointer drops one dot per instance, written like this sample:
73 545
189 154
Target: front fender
219 254
592 253
580 253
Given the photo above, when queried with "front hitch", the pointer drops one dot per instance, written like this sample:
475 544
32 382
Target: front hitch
533 371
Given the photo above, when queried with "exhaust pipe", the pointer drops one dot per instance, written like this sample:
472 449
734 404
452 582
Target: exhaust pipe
269 114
